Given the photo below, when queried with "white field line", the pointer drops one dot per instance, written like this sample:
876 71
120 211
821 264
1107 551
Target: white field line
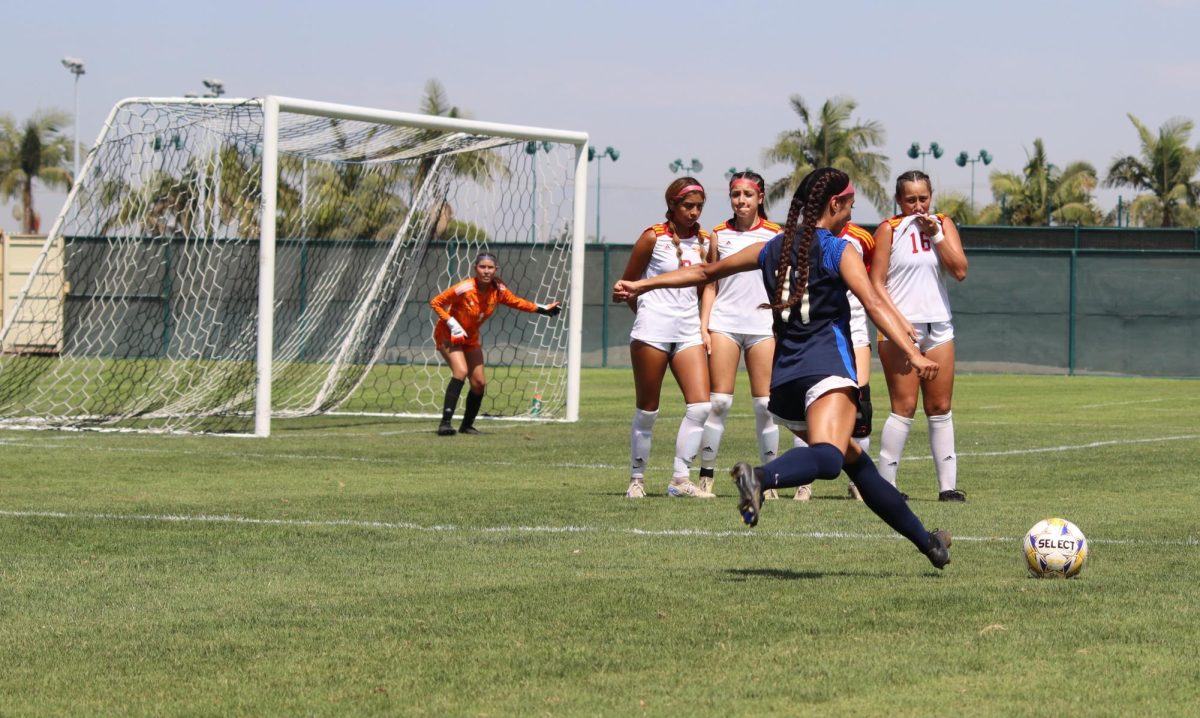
562 465
451 528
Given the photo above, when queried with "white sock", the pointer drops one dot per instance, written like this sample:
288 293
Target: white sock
891 445
797 442
687 441
714 429
768 430
639 442
941 445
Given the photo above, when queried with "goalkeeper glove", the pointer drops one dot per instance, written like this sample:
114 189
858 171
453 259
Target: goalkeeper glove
550 310
458 335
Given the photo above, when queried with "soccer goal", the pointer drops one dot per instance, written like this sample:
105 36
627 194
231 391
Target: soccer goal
221 262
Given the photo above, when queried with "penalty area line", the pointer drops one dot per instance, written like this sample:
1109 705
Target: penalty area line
550 530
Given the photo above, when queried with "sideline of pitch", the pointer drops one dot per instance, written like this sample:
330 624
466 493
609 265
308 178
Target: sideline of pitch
451 528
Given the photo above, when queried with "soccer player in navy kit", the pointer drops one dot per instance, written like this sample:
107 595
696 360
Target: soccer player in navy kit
814 390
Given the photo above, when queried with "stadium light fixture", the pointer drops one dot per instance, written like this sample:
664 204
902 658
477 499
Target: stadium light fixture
915 151
75 66
695 166
963 158
612 154
216 88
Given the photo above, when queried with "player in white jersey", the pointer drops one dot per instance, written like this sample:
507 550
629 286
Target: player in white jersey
914 250
733 323
666 333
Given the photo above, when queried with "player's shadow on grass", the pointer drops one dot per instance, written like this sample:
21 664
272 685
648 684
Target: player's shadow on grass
743 574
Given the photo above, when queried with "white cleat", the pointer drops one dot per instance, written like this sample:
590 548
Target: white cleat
636 490
803 493
684 488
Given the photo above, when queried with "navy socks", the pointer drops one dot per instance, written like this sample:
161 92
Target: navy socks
887 503
802 465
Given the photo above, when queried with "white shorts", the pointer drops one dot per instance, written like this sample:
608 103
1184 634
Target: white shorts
672 348
744 341
859 336
930 335
816 391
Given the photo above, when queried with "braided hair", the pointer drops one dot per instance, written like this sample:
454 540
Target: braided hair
912 176
808 204
674 199
758 180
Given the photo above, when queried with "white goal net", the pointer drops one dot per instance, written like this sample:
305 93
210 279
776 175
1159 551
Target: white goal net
193 220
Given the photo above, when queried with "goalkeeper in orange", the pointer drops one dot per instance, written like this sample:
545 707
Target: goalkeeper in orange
462 309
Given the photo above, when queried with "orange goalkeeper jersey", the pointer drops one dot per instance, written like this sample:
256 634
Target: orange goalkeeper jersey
471 307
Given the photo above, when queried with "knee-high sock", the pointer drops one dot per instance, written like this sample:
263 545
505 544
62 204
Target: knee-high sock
768 430
714 429
474 401
797 442
687 441
885 500
450 403
941 445
639 442
891 445
802 466
863 444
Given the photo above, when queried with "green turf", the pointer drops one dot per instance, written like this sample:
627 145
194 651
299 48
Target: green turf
351 566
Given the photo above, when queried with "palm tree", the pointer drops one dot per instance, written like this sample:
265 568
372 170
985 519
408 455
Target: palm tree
36 151
828 140
1165 171
1043 192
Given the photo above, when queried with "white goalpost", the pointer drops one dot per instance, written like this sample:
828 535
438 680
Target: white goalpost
222 262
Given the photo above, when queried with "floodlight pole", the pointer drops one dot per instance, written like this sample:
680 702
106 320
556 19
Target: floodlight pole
75 66
531 149
612 154
963 158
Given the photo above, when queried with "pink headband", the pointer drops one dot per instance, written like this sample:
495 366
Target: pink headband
849 190
745 180
690 188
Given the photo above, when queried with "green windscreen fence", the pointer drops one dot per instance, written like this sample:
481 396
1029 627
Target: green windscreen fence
1036 300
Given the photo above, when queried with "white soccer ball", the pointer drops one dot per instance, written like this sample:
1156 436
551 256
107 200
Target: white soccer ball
1055 548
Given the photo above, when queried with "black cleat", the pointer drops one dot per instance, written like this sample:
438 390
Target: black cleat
952 495
468 430
749 491
939 550
444 429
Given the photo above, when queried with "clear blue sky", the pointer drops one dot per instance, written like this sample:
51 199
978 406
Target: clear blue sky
655 80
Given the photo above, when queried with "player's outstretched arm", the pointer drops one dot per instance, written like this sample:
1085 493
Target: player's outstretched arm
690 276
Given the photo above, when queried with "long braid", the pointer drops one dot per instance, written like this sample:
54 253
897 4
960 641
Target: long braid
785 253
812 212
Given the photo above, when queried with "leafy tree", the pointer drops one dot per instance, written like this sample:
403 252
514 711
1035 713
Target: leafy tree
956 206
1165 174
1043 192
829 140
36 150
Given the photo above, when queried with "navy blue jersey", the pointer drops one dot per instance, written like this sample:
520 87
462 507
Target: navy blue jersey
812 339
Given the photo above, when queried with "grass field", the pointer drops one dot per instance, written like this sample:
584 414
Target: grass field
351 566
